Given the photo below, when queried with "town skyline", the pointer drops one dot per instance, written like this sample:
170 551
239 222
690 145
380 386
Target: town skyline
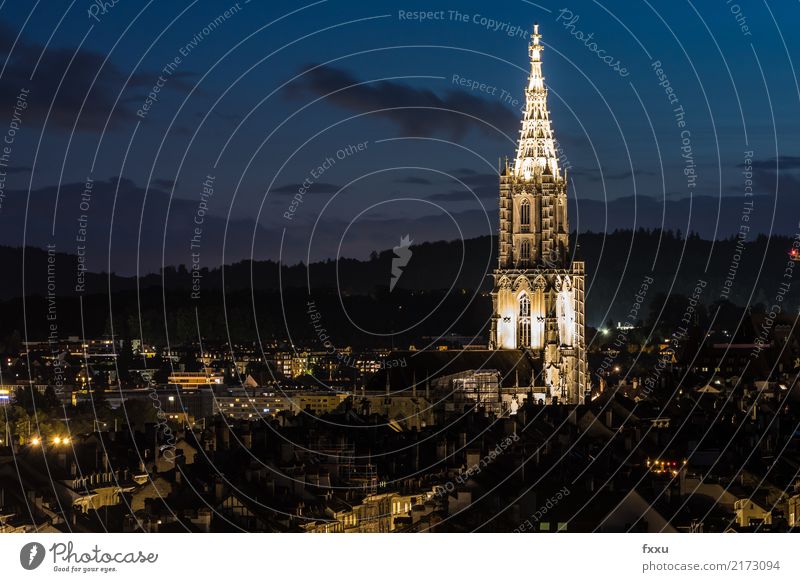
269 270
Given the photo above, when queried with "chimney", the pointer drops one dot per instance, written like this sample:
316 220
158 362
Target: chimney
441 449
223 436
247 439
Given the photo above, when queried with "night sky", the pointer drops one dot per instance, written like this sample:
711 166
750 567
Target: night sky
253 98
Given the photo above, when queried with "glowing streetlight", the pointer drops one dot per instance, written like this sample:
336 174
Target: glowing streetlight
35 441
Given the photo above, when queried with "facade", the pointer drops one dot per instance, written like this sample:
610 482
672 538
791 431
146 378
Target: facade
248 404
194 380
538 303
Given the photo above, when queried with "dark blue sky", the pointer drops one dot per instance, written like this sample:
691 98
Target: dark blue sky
263 97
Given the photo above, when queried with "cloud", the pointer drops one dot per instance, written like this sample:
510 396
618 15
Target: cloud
593 174
779 163
164 183
78 70
17 170
232 118
126 227
773 173
461 196
392 99
482 186
412 180
316 188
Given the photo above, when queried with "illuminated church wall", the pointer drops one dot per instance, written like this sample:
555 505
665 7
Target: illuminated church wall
538 290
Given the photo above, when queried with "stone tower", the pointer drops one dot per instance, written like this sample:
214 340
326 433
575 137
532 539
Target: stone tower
538 304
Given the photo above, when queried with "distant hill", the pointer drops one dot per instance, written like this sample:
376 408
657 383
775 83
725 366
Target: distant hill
132 231
616 264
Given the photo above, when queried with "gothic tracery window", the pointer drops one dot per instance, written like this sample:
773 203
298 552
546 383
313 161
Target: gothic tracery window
525 252
524 306
525 216
524 325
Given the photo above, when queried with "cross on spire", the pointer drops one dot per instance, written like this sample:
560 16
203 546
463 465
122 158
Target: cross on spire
536 152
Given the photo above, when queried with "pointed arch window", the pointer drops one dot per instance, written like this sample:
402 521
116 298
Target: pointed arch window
524 322
524 305
525 216
525 252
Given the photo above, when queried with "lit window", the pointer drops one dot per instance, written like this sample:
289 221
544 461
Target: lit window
524 305
524 323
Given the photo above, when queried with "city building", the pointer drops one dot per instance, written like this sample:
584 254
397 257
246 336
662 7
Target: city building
194 380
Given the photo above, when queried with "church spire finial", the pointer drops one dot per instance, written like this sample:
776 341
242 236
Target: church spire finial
536 152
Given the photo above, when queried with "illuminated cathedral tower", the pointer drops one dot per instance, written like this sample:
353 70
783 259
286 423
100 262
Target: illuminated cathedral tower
538 292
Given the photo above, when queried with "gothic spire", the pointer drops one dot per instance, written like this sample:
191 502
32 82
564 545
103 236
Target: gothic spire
536 153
